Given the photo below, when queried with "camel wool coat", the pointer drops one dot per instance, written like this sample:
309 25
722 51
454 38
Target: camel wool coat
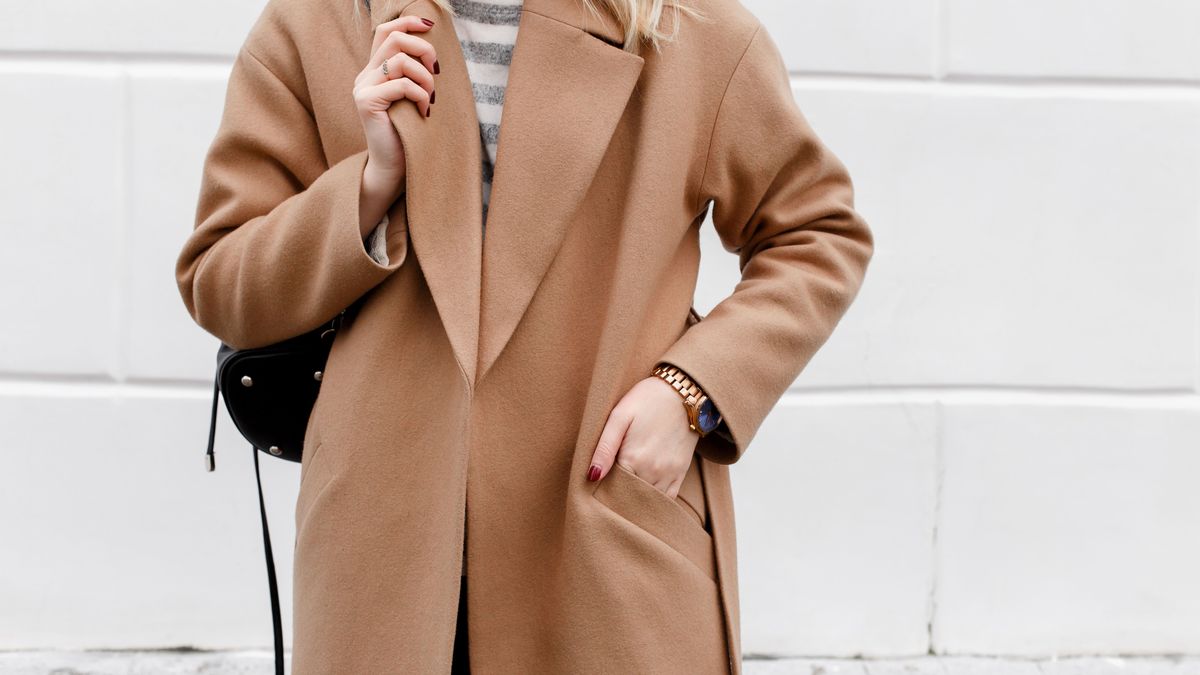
461 405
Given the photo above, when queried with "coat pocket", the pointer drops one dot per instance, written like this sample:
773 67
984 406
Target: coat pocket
679 522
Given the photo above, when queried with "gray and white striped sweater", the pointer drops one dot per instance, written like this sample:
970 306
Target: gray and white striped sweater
487 32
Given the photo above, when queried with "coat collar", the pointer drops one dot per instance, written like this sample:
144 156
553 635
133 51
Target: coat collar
568 83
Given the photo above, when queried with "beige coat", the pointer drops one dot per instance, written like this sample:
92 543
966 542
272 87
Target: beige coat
459 410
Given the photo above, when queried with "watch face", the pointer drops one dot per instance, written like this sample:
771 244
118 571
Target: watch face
707 416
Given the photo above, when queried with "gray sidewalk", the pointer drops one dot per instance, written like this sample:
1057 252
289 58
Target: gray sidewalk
260 663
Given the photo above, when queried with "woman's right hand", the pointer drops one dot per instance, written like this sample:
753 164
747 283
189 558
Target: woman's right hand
411 62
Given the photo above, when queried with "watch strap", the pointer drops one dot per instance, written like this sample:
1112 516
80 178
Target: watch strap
681 382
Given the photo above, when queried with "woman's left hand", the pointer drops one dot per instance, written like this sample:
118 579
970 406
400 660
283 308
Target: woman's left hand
647 432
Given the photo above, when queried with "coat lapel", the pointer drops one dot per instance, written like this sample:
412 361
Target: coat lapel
568 84
566 91
443 182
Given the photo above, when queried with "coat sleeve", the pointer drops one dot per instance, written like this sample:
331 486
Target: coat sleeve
276 249
784 203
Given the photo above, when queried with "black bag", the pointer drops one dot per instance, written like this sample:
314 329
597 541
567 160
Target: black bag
269 393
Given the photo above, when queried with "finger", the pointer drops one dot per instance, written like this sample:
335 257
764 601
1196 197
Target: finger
379 97
412 45
406 23
665 472
663 482
398 66
609 443
673 489
402 65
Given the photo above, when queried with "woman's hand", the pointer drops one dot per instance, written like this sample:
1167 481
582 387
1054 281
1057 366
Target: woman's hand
411 64
647 432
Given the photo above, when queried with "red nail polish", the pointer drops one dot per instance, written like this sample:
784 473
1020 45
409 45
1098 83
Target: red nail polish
437 67
432 95
427 22
593 472
428 110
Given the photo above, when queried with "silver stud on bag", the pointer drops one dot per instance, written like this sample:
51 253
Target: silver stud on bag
317 376
274 450
246 381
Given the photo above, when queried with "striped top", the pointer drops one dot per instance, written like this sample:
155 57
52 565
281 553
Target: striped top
487 32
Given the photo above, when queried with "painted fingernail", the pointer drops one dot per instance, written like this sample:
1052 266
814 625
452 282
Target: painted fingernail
427 22
432 95
594 472
428 109
437 67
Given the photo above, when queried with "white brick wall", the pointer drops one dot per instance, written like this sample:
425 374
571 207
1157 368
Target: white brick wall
994 455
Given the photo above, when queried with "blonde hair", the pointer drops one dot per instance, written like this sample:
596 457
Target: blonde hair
639 20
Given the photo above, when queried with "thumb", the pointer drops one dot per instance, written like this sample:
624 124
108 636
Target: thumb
610 442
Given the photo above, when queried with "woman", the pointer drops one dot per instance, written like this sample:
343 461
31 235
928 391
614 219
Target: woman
490 417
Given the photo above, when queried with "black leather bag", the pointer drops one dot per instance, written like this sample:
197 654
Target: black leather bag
269 393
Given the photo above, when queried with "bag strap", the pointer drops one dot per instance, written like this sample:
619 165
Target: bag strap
276 618
210 464
275 614
210 461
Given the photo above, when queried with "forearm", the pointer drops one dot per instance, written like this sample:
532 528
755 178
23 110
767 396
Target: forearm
379 191
278 244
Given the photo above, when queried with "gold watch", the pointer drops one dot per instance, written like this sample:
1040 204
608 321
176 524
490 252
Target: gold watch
702 414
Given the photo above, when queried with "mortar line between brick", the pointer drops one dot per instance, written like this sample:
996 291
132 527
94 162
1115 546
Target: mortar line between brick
121 286
935 566
942 48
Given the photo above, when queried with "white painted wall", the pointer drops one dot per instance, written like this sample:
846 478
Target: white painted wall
998 452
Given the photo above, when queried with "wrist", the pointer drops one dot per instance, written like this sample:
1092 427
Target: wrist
703 417
378 192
